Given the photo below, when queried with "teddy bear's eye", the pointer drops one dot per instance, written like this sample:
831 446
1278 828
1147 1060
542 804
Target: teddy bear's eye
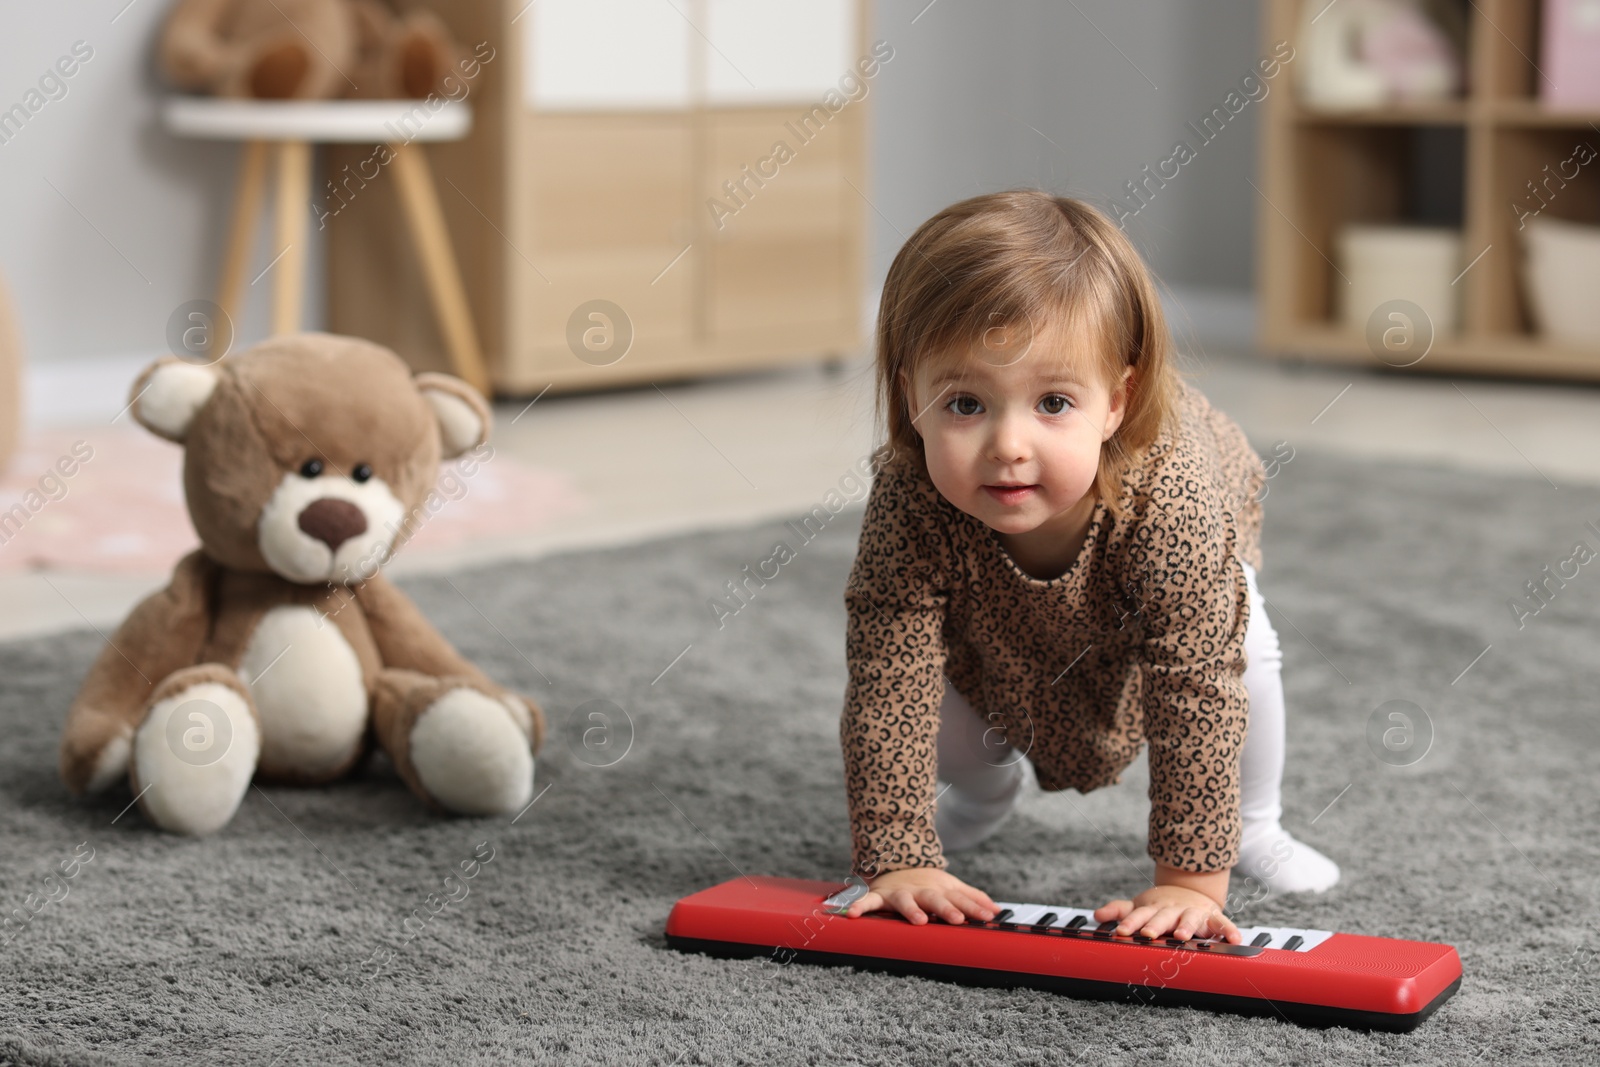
362 472
311 468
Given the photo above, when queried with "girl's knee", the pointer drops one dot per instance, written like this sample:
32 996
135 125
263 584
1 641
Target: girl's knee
974 751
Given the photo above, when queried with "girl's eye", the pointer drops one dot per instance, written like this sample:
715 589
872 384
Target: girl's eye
311 468
1054 404
965 405
362 472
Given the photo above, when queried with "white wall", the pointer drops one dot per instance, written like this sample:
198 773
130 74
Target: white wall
952 117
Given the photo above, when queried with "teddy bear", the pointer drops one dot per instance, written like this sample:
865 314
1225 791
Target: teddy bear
406 56
305 49
279 652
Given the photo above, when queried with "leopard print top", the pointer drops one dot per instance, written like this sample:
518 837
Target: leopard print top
1141 640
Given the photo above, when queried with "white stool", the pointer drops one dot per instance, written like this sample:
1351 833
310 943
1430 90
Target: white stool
292 128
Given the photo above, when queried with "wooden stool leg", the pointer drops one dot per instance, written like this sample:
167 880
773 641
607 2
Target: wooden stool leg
421 201
294 199
247 200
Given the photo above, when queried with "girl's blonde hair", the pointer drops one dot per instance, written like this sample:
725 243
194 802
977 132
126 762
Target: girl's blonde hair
1023 258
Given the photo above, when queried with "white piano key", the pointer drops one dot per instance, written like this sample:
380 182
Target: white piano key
1025 914
1280 935
1066 915
1028 914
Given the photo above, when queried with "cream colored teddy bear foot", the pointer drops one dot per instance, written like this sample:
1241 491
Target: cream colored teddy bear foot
194 756
471 754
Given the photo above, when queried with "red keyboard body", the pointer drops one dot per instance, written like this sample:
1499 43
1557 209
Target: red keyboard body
1351 980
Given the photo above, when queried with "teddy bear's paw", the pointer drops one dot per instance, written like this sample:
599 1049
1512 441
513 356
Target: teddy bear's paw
530 719
94 751
472 755
422 59
112 763
280 71
193 758
519 713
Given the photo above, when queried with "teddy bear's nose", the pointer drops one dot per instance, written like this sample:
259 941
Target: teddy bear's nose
332 521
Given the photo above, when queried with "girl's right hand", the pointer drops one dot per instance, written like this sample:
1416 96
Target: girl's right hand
916 891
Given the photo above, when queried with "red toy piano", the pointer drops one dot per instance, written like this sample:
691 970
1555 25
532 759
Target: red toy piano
1310 977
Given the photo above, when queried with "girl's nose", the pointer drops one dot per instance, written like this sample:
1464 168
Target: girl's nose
1009 443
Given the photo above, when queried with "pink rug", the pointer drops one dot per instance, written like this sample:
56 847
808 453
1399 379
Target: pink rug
122 510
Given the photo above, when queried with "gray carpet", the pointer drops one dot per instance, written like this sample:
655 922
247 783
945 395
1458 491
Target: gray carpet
258 945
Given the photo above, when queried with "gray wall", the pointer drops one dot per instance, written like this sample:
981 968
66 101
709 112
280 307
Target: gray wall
970 77
132 225
107 223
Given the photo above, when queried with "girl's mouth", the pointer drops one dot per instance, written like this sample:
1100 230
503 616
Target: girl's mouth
1010 495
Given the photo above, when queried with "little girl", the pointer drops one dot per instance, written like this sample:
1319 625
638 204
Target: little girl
1058 563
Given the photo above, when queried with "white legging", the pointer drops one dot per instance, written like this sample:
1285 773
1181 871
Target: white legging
974 758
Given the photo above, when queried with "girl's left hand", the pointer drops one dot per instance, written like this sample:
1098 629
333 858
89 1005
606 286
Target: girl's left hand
1170 910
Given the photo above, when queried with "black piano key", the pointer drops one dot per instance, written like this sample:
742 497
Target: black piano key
1262 940
1004 916
1294 942
1045 920
1176 941
1105 928
1075 922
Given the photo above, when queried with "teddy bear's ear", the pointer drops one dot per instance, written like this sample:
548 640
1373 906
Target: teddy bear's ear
463 414
168 395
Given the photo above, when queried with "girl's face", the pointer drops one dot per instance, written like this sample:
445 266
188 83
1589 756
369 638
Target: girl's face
1012 427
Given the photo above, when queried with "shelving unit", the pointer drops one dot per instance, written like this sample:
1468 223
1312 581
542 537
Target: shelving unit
1463 163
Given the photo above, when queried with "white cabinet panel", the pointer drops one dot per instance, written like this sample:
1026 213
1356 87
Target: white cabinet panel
772 51
607 55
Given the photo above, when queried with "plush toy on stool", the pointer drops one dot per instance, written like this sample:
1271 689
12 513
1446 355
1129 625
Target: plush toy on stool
279 651
306 49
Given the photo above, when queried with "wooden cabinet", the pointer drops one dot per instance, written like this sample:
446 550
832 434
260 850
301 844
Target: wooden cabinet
784 259
604 223
698 166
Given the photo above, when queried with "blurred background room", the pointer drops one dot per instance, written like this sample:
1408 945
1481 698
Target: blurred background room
654 233
1282 178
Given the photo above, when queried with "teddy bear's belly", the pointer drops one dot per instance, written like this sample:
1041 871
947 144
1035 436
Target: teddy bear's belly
307 685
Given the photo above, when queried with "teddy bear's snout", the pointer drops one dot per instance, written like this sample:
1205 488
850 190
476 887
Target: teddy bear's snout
332 521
